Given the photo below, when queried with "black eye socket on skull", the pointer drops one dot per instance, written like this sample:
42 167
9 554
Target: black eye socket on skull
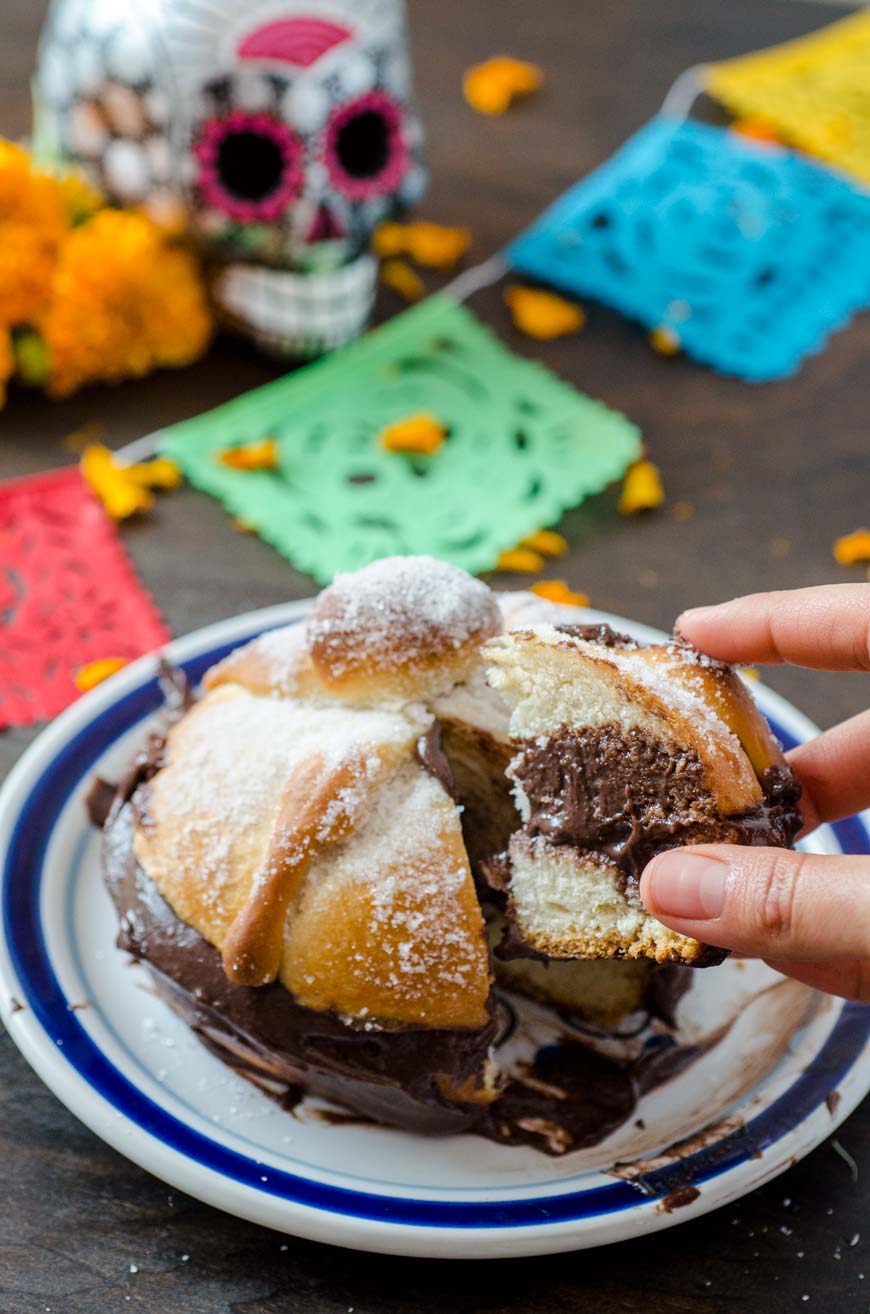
366 151
362 144
249 165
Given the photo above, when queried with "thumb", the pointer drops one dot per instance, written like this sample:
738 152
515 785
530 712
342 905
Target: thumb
765 903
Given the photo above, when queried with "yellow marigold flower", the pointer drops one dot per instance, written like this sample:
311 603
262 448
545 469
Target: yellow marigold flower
434 246
119 494
88 677
491 86
400 277
665 341
262 455
521 561
642 489
124 301
33 222
416 435
556 590
541 314
547 542
852 549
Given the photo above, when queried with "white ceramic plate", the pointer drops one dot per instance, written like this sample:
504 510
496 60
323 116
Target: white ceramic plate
791 1066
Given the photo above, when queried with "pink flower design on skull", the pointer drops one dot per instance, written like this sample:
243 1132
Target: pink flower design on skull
365 148
250 166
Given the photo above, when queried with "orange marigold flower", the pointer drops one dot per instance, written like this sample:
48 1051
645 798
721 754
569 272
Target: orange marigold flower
642 489
852 549
400 277
556 590
491 86
541 314
88 677
124 301
33 222
262 455
416 435
120 495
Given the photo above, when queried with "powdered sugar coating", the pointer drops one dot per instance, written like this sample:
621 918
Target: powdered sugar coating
409 935
413 607
214 803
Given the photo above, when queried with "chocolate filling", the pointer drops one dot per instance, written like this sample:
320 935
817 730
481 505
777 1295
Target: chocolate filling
602 634
615 792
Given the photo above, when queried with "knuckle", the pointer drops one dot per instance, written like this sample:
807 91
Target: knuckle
775 895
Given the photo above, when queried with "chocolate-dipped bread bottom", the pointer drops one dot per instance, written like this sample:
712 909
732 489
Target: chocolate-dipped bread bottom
572 1097
387 1076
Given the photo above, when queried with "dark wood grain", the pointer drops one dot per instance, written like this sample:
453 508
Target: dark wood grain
759 464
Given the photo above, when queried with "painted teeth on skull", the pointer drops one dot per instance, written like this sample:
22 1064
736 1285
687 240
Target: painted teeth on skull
295 168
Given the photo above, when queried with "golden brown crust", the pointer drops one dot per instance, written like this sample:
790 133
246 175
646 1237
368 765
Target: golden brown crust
724 690
310 818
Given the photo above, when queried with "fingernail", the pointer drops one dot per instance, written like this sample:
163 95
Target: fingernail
687 885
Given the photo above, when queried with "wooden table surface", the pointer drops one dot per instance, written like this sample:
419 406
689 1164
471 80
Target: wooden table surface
774 473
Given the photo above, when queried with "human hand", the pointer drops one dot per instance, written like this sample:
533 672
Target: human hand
807 915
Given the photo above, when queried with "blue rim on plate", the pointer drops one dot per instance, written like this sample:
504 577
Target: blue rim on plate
42 993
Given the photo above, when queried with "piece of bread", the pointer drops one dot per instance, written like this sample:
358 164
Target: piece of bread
622 752
308 844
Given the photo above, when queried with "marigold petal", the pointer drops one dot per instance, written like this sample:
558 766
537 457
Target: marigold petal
120 496
89 676
557 590
665 341
642 489
547 542
390 239
400 277
262 455
491 86
436 246
416 435
543 315
521 561
159 473
756 127
852 549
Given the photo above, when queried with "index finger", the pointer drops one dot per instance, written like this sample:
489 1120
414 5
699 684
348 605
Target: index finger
827 628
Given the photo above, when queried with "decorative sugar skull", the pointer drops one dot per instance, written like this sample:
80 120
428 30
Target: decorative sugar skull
283 131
